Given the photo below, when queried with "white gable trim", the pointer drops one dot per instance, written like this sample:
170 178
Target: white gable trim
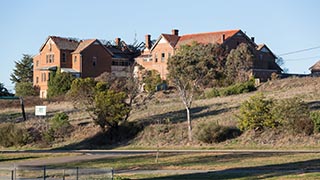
163 41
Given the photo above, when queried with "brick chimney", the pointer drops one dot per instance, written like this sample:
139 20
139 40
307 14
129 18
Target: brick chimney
118 41
223 38
148 41
252 39
175 32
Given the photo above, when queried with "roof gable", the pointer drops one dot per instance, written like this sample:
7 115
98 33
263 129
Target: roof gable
171 39
86 43
316 66
61 43
264 48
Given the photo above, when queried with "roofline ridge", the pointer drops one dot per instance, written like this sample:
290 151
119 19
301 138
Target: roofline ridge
201 33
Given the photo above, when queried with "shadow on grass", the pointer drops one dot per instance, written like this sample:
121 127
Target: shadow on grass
256 172
126 132
180 116
16 158
314 105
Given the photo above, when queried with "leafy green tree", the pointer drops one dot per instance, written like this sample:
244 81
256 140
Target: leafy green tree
4 91
59 83
189 69
106 106
151 79
22 76
110 108
26 89
239 63
23 71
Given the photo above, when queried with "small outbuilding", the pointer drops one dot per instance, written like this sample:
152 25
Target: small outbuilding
315 69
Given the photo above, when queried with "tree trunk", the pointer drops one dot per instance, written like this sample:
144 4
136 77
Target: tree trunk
189 124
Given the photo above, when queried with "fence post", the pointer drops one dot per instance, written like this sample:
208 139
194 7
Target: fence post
77 172
63 176
12 172
44 173
15 172
112 173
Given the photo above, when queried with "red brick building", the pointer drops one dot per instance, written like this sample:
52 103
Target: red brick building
85 58
155 57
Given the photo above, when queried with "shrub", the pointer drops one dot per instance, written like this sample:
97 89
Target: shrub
11 135
59 127
214 133
238 88
315 117
294 115
291 114
214 92
151 79
255 114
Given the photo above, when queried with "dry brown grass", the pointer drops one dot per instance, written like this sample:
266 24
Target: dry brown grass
168 127
164 117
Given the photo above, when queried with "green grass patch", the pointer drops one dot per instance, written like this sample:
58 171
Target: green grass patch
219 165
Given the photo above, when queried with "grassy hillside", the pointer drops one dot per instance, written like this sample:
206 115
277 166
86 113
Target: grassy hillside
162 120
166 116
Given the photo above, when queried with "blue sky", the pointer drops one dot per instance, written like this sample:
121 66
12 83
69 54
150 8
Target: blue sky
284 25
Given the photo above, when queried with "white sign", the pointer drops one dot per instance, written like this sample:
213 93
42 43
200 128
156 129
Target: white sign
40 110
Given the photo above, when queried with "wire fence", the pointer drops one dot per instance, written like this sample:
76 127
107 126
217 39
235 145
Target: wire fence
45 173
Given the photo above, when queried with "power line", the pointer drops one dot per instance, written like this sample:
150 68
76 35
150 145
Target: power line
303 58
298 51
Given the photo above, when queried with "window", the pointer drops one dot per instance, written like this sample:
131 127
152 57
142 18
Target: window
94 61
75 59
44 77
37 63
49 58
64 57
156 57
37 80
162 57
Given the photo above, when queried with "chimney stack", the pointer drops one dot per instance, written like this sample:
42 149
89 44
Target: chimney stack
118 41
148 41
252 39
223 38
175 32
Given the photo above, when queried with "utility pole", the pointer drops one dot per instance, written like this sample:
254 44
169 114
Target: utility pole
21 103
